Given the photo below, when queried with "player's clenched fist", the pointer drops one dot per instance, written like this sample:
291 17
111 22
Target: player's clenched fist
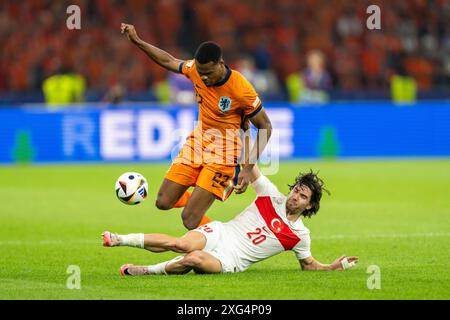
130 31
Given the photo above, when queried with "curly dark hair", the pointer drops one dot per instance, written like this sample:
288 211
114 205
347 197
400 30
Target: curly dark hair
208 51
316 185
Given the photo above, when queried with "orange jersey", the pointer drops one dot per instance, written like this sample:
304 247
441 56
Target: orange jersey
222 109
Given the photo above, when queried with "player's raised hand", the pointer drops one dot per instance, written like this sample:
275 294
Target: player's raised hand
130 32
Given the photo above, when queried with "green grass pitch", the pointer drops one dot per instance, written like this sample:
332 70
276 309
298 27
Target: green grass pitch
392 214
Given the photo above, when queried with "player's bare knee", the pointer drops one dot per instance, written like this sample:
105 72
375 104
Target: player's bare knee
194 259
182 245
163 204
189 220
189 225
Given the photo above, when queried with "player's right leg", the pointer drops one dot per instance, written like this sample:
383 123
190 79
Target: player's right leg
191 241
199 203
156 242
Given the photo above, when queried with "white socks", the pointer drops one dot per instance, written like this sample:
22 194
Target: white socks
160 268
132 240
136 240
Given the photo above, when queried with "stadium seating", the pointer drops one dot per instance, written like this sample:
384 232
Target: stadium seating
276 34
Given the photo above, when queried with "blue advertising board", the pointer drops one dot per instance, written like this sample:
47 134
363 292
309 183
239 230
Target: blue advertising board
152 133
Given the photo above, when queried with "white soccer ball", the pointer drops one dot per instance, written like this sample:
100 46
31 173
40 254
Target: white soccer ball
131 188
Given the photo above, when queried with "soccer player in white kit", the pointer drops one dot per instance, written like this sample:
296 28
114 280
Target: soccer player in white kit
270 225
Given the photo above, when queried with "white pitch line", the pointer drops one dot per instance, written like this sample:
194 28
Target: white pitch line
382 235
328 237
47 242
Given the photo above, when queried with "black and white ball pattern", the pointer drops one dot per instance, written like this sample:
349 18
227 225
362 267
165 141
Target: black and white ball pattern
131 188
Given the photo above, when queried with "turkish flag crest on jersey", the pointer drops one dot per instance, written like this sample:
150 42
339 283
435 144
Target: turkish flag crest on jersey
284 234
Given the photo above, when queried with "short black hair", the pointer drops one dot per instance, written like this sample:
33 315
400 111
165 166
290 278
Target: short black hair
207 52
316 185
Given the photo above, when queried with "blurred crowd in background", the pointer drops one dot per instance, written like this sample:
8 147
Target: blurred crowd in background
289 49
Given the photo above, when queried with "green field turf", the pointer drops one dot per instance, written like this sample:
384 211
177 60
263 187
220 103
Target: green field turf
393 214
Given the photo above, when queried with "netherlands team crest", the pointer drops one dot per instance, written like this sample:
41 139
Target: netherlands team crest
224 104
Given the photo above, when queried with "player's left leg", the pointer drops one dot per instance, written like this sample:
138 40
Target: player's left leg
213 182
157 269
200 201
199 261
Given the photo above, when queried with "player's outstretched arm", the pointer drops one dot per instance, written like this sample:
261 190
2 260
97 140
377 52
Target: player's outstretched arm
262 122
161 57
255 174
342 263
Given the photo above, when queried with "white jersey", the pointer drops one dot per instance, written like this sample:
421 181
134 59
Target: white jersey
261 231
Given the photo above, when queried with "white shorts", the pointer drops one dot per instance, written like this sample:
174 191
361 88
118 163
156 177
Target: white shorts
218 246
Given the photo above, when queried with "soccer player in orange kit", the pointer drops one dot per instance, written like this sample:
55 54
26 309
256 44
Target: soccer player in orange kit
209 159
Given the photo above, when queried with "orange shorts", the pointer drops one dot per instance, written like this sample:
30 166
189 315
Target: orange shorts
220 180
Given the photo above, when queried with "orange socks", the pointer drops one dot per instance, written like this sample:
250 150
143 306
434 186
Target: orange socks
182 203
204 220
183 200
